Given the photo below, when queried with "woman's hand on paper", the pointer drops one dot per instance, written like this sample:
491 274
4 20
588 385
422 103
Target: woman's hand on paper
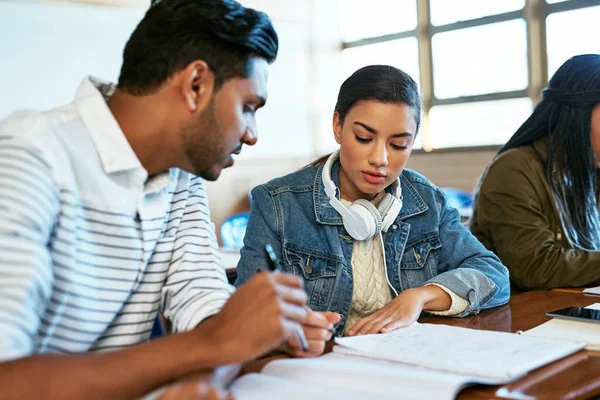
318 329
398 313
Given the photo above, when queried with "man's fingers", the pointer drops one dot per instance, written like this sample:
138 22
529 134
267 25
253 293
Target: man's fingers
292 295
332 317
315 348
313 333
289 280
320 320
293 312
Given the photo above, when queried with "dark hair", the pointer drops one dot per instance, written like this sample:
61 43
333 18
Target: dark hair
564 115
174 33
382 83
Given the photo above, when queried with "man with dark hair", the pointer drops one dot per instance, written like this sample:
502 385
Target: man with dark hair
104 220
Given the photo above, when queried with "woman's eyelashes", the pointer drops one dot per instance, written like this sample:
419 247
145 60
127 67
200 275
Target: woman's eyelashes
398 146
392 145
362 139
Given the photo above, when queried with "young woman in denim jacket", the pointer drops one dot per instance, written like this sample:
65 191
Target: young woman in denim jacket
431 261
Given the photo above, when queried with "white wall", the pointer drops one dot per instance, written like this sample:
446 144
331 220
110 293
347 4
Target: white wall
47 48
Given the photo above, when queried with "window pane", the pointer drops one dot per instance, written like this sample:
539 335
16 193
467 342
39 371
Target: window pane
468 124
484 59
402 53
449 11
570 33
380 17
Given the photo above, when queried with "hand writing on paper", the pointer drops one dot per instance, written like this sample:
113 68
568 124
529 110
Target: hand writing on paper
403 310
318 329
258 317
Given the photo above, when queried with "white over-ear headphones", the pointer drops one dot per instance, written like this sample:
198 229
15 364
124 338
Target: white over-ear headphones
362 219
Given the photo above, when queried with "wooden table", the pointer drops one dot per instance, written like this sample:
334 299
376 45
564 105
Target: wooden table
573 377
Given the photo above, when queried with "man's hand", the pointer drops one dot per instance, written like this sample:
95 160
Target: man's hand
258 317
318 329
403 310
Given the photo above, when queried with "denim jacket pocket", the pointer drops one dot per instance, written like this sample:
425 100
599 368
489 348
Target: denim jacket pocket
318 270
419 263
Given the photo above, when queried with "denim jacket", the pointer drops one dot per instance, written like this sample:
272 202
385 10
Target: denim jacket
426 244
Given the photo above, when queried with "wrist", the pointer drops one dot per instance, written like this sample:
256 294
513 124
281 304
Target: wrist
435 298
216 346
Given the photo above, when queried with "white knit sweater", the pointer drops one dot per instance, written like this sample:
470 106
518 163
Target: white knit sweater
371 290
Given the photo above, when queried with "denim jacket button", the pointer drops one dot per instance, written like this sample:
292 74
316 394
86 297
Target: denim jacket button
394 226
308 269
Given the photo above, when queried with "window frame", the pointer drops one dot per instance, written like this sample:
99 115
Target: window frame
534 13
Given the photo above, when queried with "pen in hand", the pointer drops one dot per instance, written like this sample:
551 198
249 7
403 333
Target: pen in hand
275 266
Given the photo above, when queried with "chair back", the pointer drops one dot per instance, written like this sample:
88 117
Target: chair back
233 230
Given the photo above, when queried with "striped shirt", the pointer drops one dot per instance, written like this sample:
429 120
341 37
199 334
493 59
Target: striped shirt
90 247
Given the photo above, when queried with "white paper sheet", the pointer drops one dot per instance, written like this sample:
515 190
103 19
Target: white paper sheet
380 378
565 329
266 387
492 355
592 290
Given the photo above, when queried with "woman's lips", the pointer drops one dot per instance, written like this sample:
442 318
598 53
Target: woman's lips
373 177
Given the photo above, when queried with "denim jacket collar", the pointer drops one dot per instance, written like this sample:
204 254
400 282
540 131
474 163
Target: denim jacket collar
412 202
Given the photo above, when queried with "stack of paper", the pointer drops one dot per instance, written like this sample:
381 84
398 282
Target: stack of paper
592 290
565 329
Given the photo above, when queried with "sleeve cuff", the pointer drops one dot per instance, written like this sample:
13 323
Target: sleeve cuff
458 304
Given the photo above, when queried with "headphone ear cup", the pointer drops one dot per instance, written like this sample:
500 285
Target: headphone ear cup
389 211
366 222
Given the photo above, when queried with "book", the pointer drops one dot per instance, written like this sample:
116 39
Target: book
592 290
570 330
422 361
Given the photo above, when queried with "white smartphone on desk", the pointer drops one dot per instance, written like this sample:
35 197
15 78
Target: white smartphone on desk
576 314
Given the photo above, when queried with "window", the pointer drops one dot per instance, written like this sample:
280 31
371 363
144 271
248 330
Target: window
474 67
395 16
450 11
468 124
477 61
571 32
401 53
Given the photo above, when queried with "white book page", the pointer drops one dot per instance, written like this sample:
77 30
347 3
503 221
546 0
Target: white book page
381 379
266 387
593 290
491 355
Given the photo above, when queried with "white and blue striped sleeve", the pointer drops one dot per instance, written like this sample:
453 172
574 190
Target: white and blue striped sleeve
29 205
196 286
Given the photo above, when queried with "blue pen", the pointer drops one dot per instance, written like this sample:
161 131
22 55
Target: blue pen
275 266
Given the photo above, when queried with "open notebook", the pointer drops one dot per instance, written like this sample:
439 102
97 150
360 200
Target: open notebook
422 361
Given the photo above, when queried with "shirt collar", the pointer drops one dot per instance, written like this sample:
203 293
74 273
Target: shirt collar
111 144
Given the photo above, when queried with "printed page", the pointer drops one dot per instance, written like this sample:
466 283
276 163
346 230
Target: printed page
265 387
498 356
381 379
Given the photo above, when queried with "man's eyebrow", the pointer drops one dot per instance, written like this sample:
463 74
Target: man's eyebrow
259 100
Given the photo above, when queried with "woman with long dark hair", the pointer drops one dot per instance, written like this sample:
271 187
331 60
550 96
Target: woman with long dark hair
536 205
375 242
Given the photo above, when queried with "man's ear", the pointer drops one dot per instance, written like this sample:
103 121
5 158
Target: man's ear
197 85
337 128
